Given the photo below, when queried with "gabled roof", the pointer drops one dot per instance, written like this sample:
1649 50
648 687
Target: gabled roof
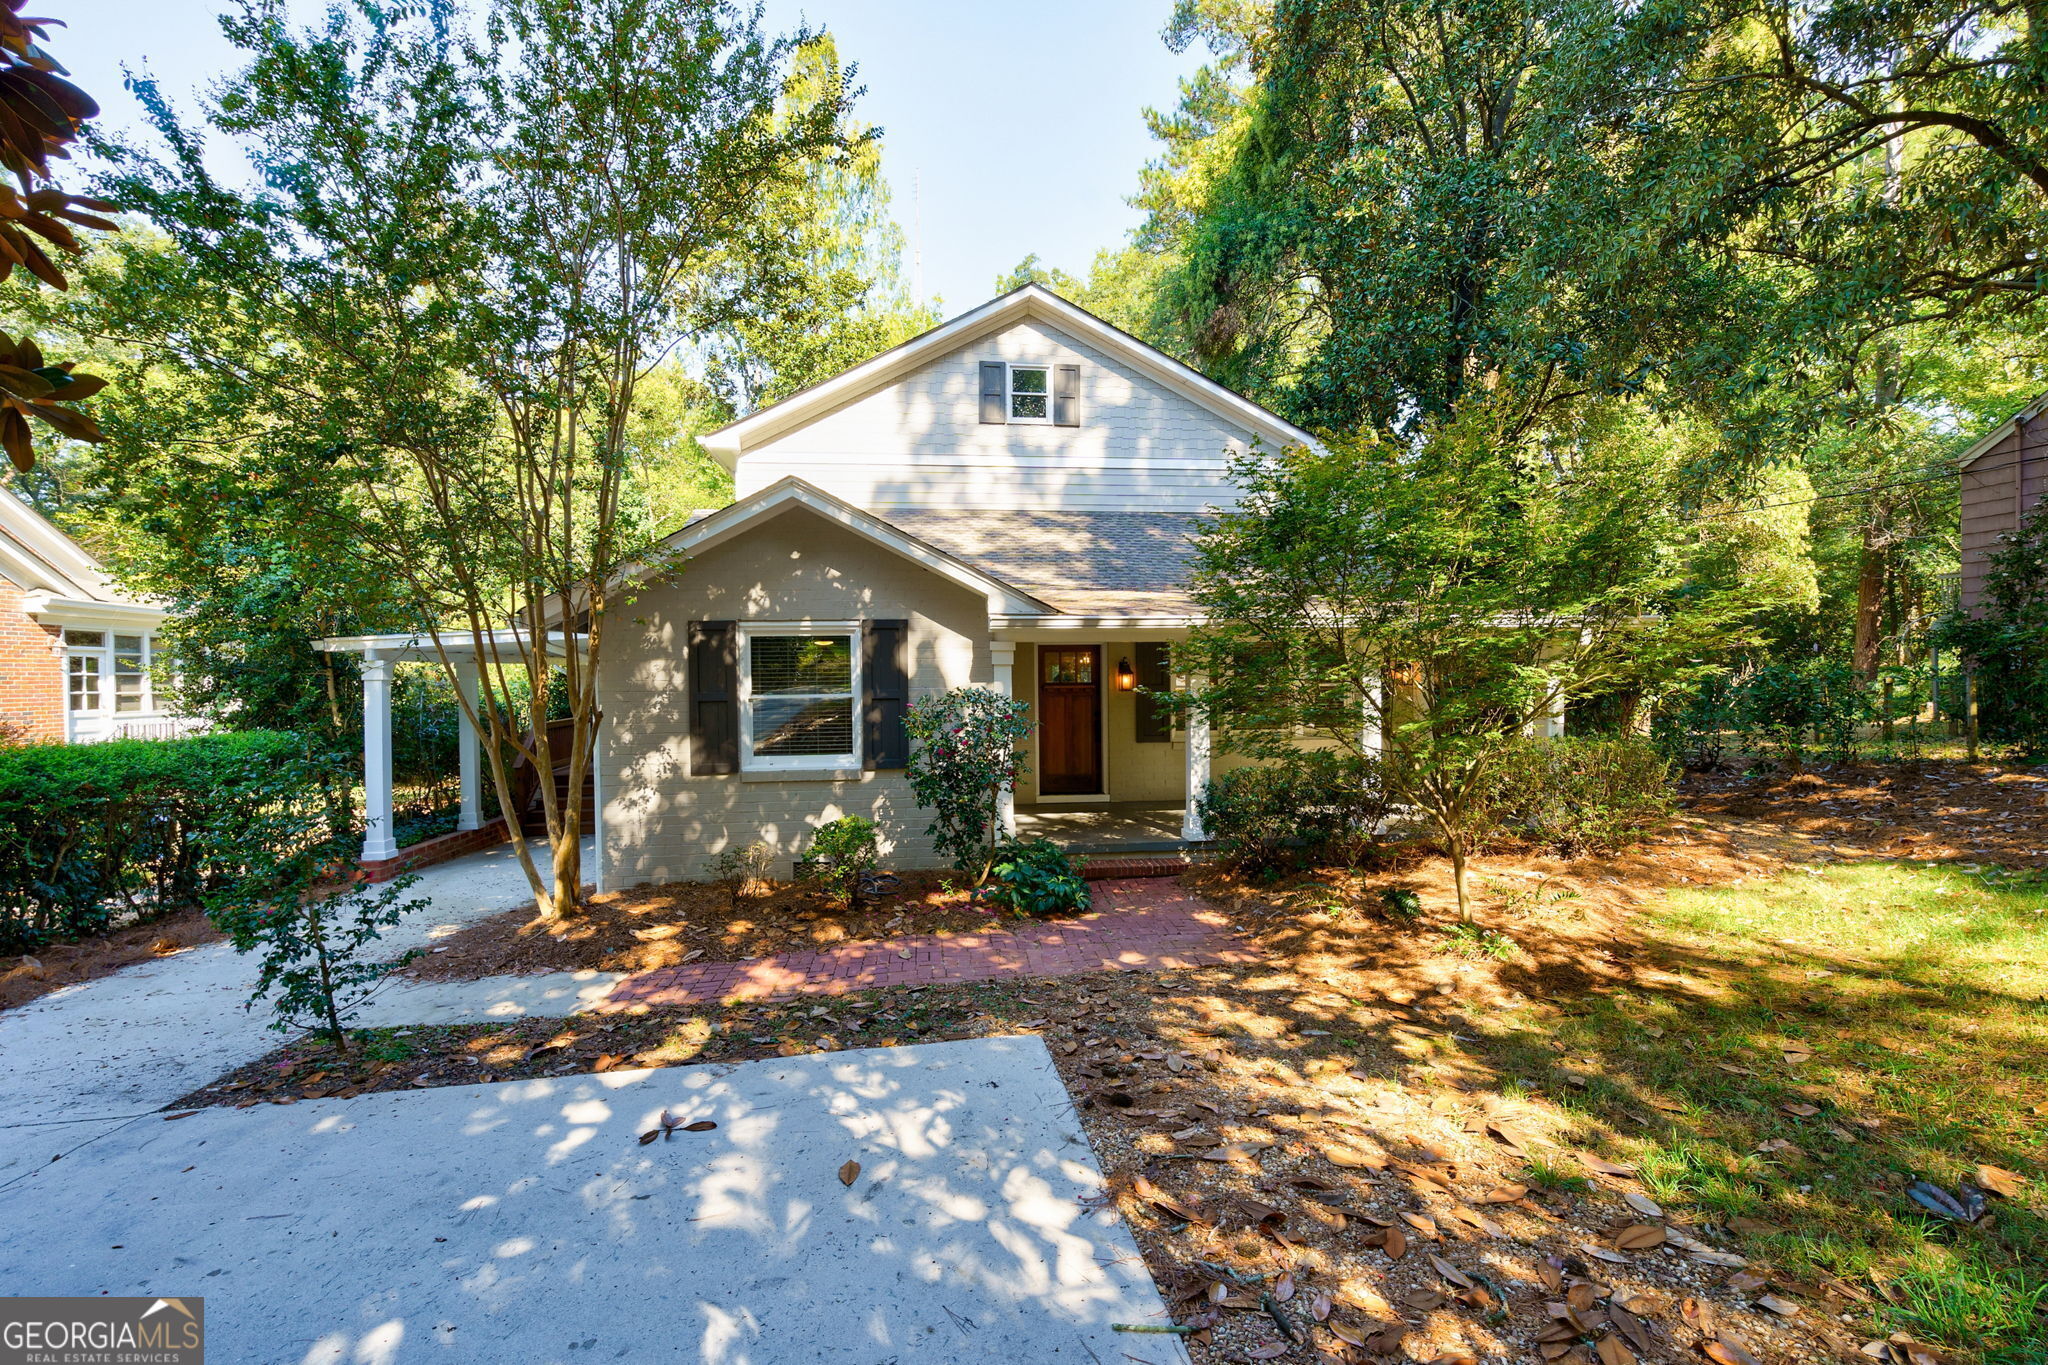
715 529
1083 563
1998 433
37 557
1031 302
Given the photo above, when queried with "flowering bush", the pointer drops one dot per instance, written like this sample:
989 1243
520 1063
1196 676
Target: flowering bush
964 757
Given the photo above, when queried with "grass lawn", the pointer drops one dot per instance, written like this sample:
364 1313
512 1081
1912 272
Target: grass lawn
1921 995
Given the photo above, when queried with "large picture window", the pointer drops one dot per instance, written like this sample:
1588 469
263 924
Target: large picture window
798 694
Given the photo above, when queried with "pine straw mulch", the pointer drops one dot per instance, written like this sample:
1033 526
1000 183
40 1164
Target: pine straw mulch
665 926
57 965
1320 1156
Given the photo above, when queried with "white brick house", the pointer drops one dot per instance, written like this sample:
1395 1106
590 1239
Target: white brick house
1003 501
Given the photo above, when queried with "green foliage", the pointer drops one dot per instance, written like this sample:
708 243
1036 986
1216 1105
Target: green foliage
1454 592
1596 794
2006 641
841 856
1785 710
1310 808
275 900
1400 904
744 868
965 753
1471 940
1694 727
92 835
1036 877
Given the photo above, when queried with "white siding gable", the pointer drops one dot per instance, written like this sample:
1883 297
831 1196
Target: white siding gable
918 441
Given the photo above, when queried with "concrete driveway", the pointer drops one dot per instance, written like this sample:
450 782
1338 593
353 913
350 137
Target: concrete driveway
523 1221
78 1061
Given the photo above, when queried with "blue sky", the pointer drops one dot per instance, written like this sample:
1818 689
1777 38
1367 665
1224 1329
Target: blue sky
1007 130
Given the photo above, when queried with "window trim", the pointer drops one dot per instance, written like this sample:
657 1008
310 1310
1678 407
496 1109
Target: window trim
750 761
1010 368
106 657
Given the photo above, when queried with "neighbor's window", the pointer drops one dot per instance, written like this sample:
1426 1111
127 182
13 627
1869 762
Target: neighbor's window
797 691
1030 393
84 650
131 674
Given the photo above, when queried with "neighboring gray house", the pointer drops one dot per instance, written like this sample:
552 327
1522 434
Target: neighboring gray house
2004 477
1003 501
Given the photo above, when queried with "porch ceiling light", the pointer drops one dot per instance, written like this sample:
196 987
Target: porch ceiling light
1126 680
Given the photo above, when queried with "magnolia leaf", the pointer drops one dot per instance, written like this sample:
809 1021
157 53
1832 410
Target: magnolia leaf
849 1173
1641 1237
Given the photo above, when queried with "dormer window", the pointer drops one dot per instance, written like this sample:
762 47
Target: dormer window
1030 393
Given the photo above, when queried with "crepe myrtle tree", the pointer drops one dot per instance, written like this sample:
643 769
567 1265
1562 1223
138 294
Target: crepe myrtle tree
1445 593
965 754
464 248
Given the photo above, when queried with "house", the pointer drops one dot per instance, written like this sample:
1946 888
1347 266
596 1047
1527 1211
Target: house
76 653
1004 501
2004 477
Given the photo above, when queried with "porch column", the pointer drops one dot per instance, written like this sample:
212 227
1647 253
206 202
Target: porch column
378 840
1003 656
466 746
1191 827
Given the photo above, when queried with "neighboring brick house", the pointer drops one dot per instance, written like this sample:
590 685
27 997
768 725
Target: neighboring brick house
2004 477
76 654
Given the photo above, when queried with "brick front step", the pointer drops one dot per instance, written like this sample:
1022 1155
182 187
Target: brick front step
1135 865
1137 925
440 849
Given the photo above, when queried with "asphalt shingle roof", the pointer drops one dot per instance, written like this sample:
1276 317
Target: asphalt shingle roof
1089 563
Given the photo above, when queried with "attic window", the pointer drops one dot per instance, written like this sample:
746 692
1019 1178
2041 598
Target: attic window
1030 394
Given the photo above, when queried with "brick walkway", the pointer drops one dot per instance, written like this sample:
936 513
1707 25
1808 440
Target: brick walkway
1137 925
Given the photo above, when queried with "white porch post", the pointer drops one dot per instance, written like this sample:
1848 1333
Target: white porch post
378 840
1191 827
1003 656
466 747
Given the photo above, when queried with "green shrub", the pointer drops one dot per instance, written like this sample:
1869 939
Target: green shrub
1313 807
744 870
1695 728
842 855
965 754
2006 642
1596 794
1036 877
97 834
1787 710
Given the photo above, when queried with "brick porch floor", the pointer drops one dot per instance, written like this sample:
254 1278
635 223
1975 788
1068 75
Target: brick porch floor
1138 924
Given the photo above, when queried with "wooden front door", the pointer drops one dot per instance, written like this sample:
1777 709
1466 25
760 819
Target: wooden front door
1069 720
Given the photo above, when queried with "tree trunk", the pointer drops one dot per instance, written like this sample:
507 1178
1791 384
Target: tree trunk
1869 605
1458 860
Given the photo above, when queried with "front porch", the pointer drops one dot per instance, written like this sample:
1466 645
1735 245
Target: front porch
1111 827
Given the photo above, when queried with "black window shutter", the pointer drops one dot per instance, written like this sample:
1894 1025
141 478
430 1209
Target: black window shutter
885 685
1155 715
1066 396
995 395
714 698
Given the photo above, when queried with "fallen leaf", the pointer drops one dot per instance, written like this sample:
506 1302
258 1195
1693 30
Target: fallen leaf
1804 1111
1352 1159
1782 1307
700 1126
1698 1314
1395 1243
1272 1350
1600 1167
1729 1349
1612 1352
849 1173
650 1135
1283 1289
1320 1308
607 1061
1451 1272
1641 1237
1746 1282
1796 1053
1424 1300
2000 1181
1643 1204
1506 1194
